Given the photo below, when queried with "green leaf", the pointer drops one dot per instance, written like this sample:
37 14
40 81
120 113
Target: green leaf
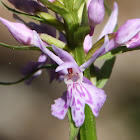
29 75
105 72
69 4
54 7
53 41
73 129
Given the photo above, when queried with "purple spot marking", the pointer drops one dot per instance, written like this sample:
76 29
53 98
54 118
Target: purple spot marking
80 92
82 113
89 96
82 120
74 85
62 112
73 102
95 110
77 108
74 113
78 102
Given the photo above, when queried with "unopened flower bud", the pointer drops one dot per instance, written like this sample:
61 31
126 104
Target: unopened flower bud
19 31
96 12
128 33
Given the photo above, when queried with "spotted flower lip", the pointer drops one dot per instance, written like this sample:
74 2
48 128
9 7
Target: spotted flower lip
80 90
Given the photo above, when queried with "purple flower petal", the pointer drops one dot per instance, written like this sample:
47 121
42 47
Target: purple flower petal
63 55
19 31
134 42
60 108
87 43
38 42
128 31
81 93
110 26
95 97
99 52
77 103
96 12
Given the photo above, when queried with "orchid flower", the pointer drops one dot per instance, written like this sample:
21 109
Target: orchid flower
80 90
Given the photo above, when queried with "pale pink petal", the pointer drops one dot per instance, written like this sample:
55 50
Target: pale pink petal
87 43
63 55
110 26
19 31
98 53
96 12
77 103
38 42
127 31
60 108
95 97
134 42
51 0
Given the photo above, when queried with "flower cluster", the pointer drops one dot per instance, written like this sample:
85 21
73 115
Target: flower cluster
80 90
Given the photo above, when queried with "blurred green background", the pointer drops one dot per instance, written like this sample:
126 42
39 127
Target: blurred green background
25 110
